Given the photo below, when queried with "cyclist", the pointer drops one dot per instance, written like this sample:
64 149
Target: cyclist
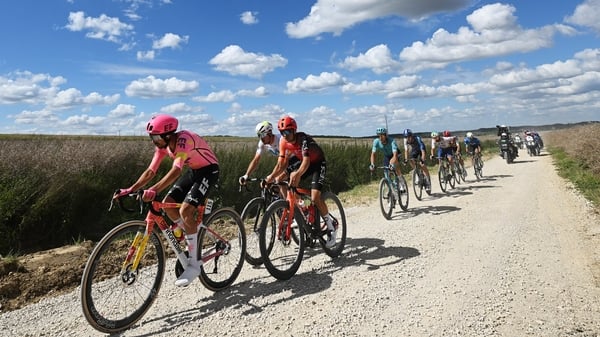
417 151
303 157
444 144
190 187
457 149
268 143
472 146
389 147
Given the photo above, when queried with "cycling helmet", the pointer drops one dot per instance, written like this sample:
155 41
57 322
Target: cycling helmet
162 124
407 132
287 123
469 134
434 134
447 133
381 131
263 129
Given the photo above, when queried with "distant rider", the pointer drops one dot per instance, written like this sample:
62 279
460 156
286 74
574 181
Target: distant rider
414 148
389 147
473 146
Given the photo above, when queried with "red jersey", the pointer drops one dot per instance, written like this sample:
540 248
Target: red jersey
304 146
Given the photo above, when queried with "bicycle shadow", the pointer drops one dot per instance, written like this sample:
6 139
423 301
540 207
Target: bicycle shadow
435 210
363 251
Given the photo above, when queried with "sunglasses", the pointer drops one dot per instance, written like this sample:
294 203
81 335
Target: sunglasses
155 138
286 132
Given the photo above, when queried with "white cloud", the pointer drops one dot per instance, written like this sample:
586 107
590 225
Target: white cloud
145 56
249 18
494 32
315 83
379 59
180 107
151 87
587 14
228 95
122 110
71 97
170 40
235 61
102 27
335 16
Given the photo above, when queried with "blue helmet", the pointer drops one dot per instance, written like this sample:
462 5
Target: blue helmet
407 132
381 131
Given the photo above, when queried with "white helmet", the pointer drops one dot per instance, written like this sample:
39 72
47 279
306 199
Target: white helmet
469 134
263 129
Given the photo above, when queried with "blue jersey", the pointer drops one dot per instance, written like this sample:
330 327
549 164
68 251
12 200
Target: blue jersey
473 142
388 148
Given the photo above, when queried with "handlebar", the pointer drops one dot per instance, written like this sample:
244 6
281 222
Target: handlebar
137 195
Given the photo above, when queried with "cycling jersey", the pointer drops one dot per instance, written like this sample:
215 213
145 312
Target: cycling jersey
474 142
304 146
191 150
443 142
416 146
269 148
388 148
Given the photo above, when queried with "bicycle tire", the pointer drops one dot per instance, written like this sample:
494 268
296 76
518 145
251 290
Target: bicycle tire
252 215
456 169
113 301
453 178
427 190
417 184
336 210
221 271
443 177
402 196
281 258
386 198
463 175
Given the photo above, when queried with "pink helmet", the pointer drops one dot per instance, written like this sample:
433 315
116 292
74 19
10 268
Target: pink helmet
162 124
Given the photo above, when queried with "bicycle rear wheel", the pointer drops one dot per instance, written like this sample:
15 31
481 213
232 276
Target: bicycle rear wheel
281 255
336 211
112 299
251 217
224 236
386 198
417 184
402 191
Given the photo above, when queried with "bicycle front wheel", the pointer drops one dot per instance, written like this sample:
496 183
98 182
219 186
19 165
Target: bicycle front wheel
386 198
336 211
223 238
251 217
402 191
114 299
417 184
443 177
281 254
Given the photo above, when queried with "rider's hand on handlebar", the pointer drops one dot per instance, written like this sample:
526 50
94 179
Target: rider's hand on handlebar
372 167
149 195
243 179
122 192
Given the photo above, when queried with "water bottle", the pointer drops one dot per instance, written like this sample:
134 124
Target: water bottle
178 233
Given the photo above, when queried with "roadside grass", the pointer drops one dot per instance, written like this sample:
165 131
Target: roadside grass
577 159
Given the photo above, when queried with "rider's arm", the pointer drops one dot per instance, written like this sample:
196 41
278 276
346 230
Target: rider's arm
150 172
296 175
253 164
168 180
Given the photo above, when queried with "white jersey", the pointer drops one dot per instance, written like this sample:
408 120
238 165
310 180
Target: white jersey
444 142
272 148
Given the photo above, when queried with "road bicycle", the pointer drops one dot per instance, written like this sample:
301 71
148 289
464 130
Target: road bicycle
252 215
292 224
420 180
125 270
392 188
461 172
446 173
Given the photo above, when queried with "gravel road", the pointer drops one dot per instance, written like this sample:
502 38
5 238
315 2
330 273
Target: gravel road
515 254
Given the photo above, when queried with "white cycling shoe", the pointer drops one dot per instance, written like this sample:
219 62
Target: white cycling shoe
189 274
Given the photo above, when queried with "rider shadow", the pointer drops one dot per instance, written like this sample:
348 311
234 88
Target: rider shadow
435 210
364 251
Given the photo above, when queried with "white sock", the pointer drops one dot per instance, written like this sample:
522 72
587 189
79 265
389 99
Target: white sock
192 244
329 222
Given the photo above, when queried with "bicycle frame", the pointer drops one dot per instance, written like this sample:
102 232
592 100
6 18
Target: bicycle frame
154 216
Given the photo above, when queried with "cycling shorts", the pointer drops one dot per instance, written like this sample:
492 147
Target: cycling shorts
193 185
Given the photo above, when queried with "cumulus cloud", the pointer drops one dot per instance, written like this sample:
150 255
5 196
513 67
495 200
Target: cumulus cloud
235 61
122 110
249 18
170 40
314 83
494 31
587 14
151 87
379 59
228 95
102 27
335 16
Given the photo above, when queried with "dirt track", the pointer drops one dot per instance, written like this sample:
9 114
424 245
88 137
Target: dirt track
515 254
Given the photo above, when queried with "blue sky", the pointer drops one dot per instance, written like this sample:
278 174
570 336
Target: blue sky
339 67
